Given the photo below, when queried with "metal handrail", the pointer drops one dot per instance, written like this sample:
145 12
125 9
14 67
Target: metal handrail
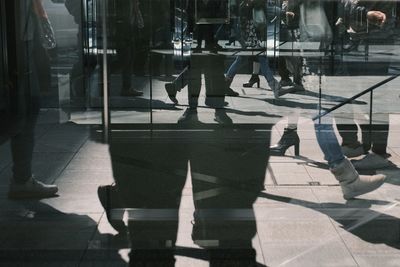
370 89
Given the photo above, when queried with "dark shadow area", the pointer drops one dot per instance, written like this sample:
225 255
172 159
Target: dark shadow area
150 173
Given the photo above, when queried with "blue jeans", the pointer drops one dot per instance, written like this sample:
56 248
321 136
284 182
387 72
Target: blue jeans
328 143
264 67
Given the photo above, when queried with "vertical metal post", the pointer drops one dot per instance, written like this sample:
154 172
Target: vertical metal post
106 111
3 39
371 99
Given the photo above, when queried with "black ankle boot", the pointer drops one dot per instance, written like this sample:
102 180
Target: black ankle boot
254 79
288 139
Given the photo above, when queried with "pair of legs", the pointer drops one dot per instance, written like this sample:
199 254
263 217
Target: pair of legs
374 137
264 67
20 120
129 49
351 182
291 65
212 66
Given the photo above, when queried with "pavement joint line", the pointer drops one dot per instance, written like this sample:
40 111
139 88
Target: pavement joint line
271 172
361 222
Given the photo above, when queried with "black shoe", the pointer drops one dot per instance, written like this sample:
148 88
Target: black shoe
190 115
109 199
131 92
221 117
288 139
171 91
298 87
285 82
254 79
231 92
352 45
231 41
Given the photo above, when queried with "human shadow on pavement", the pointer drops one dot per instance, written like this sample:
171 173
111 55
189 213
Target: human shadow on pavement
150 172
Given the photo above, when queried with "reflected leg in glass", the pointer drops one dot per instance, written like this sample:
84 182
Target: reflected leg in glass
194 88
176 85
374 137
230 74
289 138
25 106
268 74
126 49
213 69
351 182
254 79
351 147
23 184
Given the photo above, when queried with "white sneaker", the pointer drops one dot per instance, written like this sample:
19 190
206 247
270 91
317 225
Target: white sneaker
352 152
32 189
372 161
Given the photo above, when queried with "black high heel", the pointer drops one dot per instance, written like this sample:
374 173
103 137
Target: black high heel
254 79
288 139
231 41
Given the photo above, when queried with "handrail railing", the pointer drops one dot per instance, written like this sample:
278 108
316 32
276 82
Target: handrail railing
370 89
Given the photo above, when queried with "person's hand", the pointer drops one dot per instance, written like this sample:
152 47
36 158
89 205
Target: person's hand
290 15
376 17
341 28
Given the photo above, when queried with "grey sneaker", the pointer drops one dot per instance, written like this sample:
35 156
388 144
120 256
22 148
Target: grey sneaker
372 161
31 189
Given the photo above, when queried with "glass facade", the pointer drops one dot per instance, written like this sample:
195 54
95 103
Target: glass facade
195 132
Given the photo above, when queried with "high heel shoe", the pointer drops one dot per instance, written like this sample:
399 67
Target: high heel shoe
231 41
254 79
288 139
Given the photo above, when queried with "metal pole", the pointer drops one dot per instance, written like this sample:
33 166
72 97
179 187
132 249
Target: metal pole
106 111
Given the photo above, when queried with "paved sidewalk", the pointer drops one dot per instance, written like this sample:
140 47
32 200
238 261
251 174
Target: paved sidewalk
301 217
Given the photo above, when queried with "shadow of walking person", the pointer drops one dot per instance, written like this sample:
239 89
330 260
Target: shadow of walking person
150 171
223 163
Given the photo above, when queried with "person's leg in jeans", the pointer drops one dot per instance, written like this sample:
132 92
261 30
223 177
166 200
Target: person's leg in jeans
351 182
230 74
328 143
268 74
233 68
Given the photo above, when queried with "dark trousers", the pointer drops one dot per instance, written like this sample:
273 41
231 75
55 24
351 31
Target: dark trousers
374 137
212 66
295 66
131 52
20 120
